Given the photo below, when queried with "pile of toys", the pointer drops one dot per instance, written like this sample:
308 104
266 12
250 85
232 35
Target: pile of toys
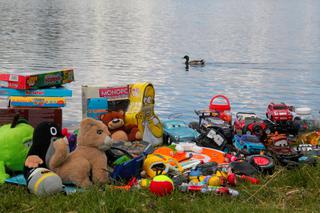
213 154
36 97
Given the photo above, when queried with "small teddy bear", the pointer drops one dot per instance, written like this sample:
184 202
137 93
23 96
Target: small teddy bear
119 131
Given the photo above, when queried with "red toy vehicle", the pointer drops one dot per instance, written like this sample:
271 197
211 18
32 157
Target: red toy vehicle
221 105
279 112
249 123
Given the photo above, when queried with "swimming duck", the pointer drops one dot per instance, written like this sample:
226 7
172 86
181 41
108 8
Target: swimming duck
193 62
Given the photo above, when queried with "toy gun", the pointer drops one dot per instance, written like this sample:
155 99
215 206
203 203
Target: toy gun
185 187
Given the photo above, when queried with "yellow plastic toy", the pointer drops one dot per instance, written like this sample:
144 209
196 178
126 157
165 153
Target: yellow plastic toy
155 163
141 112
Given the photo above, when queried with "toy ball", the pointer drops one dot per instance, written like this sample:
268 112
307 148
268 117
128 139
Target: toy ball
161 185
215 181
44 182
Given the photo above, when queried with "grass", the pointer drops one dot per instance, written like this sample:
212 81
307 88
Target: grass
284 191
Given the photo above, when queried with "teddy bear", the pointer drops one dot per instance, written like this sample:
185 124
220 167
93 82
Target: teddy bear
119 131
88 161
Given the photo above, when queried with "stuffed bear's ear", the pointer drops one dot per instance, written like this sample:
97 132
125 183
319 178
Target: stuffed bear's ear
87 123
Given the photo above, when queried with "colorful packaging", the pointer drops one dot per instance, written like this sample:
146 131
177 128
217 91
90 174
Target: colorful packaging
37 80
52 92
97 107
20 101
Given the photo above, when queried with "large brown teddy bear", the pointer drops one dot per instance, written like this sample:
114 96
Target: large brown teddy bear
88 159
119 132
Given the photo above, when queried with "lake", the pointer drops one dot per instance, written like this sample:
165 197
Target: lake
256 51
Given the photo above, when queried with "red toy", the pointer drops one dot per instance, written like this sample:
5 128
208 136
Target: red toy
221 104
249 123
279 112
161 185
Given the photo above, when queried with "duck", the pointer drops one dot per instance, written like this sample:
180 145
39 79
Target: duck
193 62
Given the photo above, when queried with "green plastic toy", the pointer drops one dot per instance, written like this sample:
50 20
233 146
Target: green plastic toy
15 142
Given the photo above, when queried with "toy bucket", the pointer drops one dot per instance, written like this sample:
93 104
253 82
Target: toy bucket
221 104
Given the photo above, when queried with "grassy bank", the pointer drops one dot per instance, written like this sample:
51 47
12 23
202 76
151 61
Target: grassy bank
294 190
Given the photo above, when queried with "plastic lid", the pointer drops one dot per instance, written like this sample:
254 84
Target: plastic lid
303 111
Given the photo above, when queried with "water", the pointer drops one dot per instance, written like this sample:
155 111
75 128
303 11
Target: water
256 51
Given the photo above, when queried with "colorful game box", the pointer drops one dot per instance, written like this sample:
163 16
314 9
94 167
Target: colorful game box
36 80
116 96
19 101
52 92
33 115
97 107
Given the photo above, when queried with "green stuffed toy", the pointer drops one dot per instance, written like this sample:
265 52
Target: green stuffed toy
15 142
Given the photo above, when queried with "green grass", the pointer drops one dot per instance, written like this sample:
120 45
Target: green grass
284 191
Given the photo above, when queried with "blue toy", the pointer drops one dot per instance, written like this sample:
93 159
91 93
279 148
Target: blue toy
178 131
248 144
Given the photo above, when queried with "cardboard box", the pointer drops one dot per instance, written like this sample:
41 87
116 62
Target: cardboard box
36 80
34 115
19 101
52 92
116 95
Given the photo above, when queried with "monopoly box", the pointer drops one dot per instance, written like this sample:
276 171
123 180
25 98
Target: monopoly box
34 115
117 96
19 101
36 80
51 92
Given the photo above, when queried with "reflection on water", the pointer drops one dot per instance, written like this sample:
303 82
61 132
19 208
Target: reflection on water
256 51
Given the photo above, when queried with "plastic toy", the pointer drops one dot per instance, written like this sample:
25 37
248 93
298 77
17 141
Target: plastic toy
262 163
220 190
312 138
156 164
203 154
141 113
234 179
15 141
278 112
248 144
176 131
161 185
276 139
221 104
249 123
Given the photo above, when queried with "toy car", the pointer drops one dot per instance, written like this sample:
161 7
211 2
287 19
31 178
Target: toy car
279 112
178 131
249 123
248 144
276 139
209 120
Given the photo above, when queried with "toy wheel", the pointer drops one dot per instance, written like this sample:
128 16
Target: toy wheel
165 139
245 150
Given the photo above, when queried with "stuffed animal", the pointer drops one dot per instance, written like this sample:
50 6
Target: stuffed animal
119 131
40 180
15 141
88 161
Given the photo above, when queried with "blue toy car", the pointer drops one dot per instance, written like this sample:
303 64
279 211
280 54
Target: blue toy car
248 144
178 131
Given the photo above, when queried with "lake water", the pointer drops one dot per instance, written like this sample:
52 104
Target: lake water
256 51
